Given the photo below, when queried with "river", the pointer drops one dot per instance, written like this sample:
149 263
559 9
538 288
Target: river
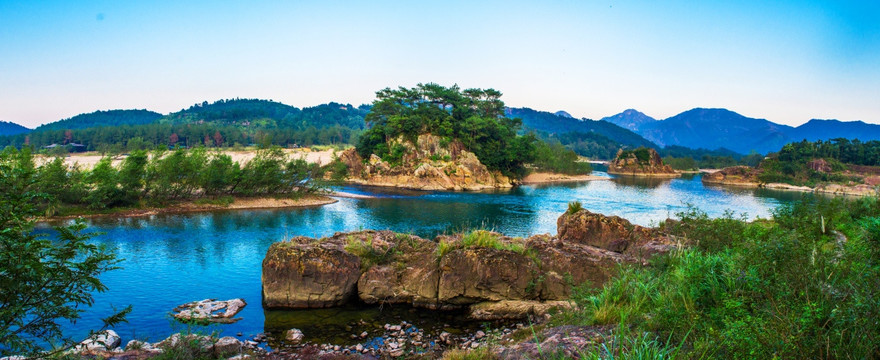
173 259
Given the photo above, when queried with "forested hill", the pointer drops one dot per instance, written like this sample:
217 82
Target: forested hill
554 124
103 118
269 114
10 128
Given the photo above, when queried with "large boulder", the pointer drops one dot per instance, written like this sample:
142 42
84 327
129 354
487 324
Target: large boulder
409 275
640 162
303 273
610 233
470 275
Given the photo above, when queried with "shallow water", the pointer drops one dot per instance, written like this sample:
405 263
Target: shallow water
178 258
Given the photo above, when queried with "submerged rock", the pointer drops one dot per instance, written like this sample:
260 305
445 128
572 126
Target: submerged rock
210 310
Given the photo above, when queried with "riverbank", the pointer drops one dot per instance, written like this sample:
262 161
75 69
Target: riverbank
197 206
547 178
87 160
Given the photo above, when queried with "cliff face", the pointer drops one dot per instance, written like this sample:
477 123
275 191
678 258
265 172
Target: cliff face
640 162
429 164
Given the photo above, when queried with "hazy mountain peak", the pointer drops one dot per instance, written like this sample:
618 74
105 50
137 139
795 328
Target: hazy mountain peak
563 113
630 119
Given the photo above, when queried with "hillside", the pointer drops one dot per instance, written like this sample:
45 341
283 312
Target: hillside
103 118
11 128
817 129
555 124
630 119
269 114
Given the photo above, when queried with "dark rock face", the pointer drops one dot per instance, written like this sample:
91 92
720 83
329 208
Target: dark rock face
640 162
302 274
610 233
509 276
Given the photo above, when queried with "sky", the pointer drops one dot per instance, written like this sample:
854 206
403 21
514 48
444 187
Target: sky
785 61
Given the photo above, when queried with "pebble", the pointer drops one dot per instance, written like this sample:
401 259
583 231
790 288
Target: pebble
480 334
359 348
364 334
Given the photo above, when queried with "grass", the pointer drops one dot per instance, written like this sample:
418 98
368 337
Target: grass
369 254
574 207
219 201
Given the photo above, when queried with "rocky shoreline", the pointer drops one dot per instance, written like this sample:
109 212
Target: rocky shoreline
747 177
641 162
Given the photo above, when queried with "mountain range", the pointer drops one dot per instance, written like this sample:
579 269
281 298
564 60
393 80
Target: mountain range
721 128
710 129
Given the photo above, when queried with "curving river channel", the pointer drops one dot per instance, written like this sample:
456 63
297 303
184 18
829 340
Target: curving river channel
178 258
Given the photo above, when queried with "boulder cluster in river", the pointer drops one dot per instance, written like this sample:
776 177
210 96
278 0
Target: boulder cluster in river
491 275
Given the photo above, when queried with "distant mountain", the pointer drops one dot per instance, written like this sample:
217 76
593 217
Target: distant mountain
564 114
11 128
554 124
103 118
830 129
721 128
630 119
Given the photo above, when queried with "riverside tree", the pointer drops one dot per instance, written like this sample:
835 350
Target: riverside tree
45 281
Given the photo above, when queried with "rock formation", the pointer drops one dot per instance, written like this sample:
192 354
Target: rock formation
507 277
640 162
735 175
427 164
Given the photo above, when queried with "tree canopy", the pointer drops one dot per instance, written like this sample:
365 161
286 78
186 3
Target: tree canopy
473 116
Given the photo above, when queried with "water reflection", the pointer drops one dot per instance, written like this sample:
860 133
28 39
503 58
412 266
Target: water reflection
176 258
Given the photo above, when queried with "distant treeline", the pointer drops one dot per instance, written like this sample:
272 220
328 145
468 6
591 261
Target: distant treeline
159 177
809 163
682 158
843 150
118 139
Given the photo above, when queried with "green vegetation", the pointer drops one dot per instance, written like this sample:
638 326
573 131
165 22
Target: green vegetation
161 177
804 284
225 123
44 280
641 154
810 163
554 157
592 145
370 255
574 207
475 117
682 158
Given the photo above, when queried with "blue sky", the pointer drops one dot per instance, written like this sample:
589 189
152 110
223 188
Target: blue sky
787 61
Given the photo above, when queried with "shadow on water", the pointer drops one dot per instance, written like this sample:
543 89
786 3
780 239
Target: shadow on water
338 325
641 181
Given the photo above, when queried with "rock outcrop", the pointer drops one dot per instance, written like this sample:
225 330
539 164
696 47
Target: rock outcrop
302 273
640 162
209 310
428 164
736 175
453 272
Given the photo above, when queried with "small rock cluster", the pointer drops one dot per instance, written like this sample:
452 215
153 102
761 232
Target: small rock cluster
107 344
209 310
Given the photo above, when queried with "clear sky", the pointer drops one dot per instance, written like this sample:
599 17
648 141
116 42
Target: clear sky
786 61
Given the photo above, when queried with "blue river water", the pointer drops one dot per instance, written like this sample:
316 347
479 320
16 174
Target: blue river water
177 258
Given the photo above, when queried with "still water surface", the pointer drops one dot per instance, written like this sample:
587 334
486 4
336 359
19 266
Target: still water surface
178 258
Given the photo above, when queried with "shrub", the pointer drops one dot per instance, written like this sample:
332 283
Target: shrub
574 207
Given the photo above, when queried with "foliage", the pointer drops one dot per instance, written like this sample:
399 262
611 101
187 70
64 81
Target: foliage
554 157
163 176
592 145
370 255
44 281
574 207
472 116
805 284
103 118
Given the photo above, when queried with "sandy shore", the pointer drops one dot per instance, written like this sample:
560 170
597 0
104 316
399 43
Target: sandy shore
238 204
89 159
544 178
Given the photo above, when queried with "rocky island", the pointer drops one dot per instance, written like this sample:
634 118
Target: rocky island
491 275
435 138
640 162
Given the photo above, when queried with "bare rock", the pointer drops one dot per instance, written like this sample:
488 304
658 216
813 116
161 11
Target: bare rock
294 336
307 273
210 310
